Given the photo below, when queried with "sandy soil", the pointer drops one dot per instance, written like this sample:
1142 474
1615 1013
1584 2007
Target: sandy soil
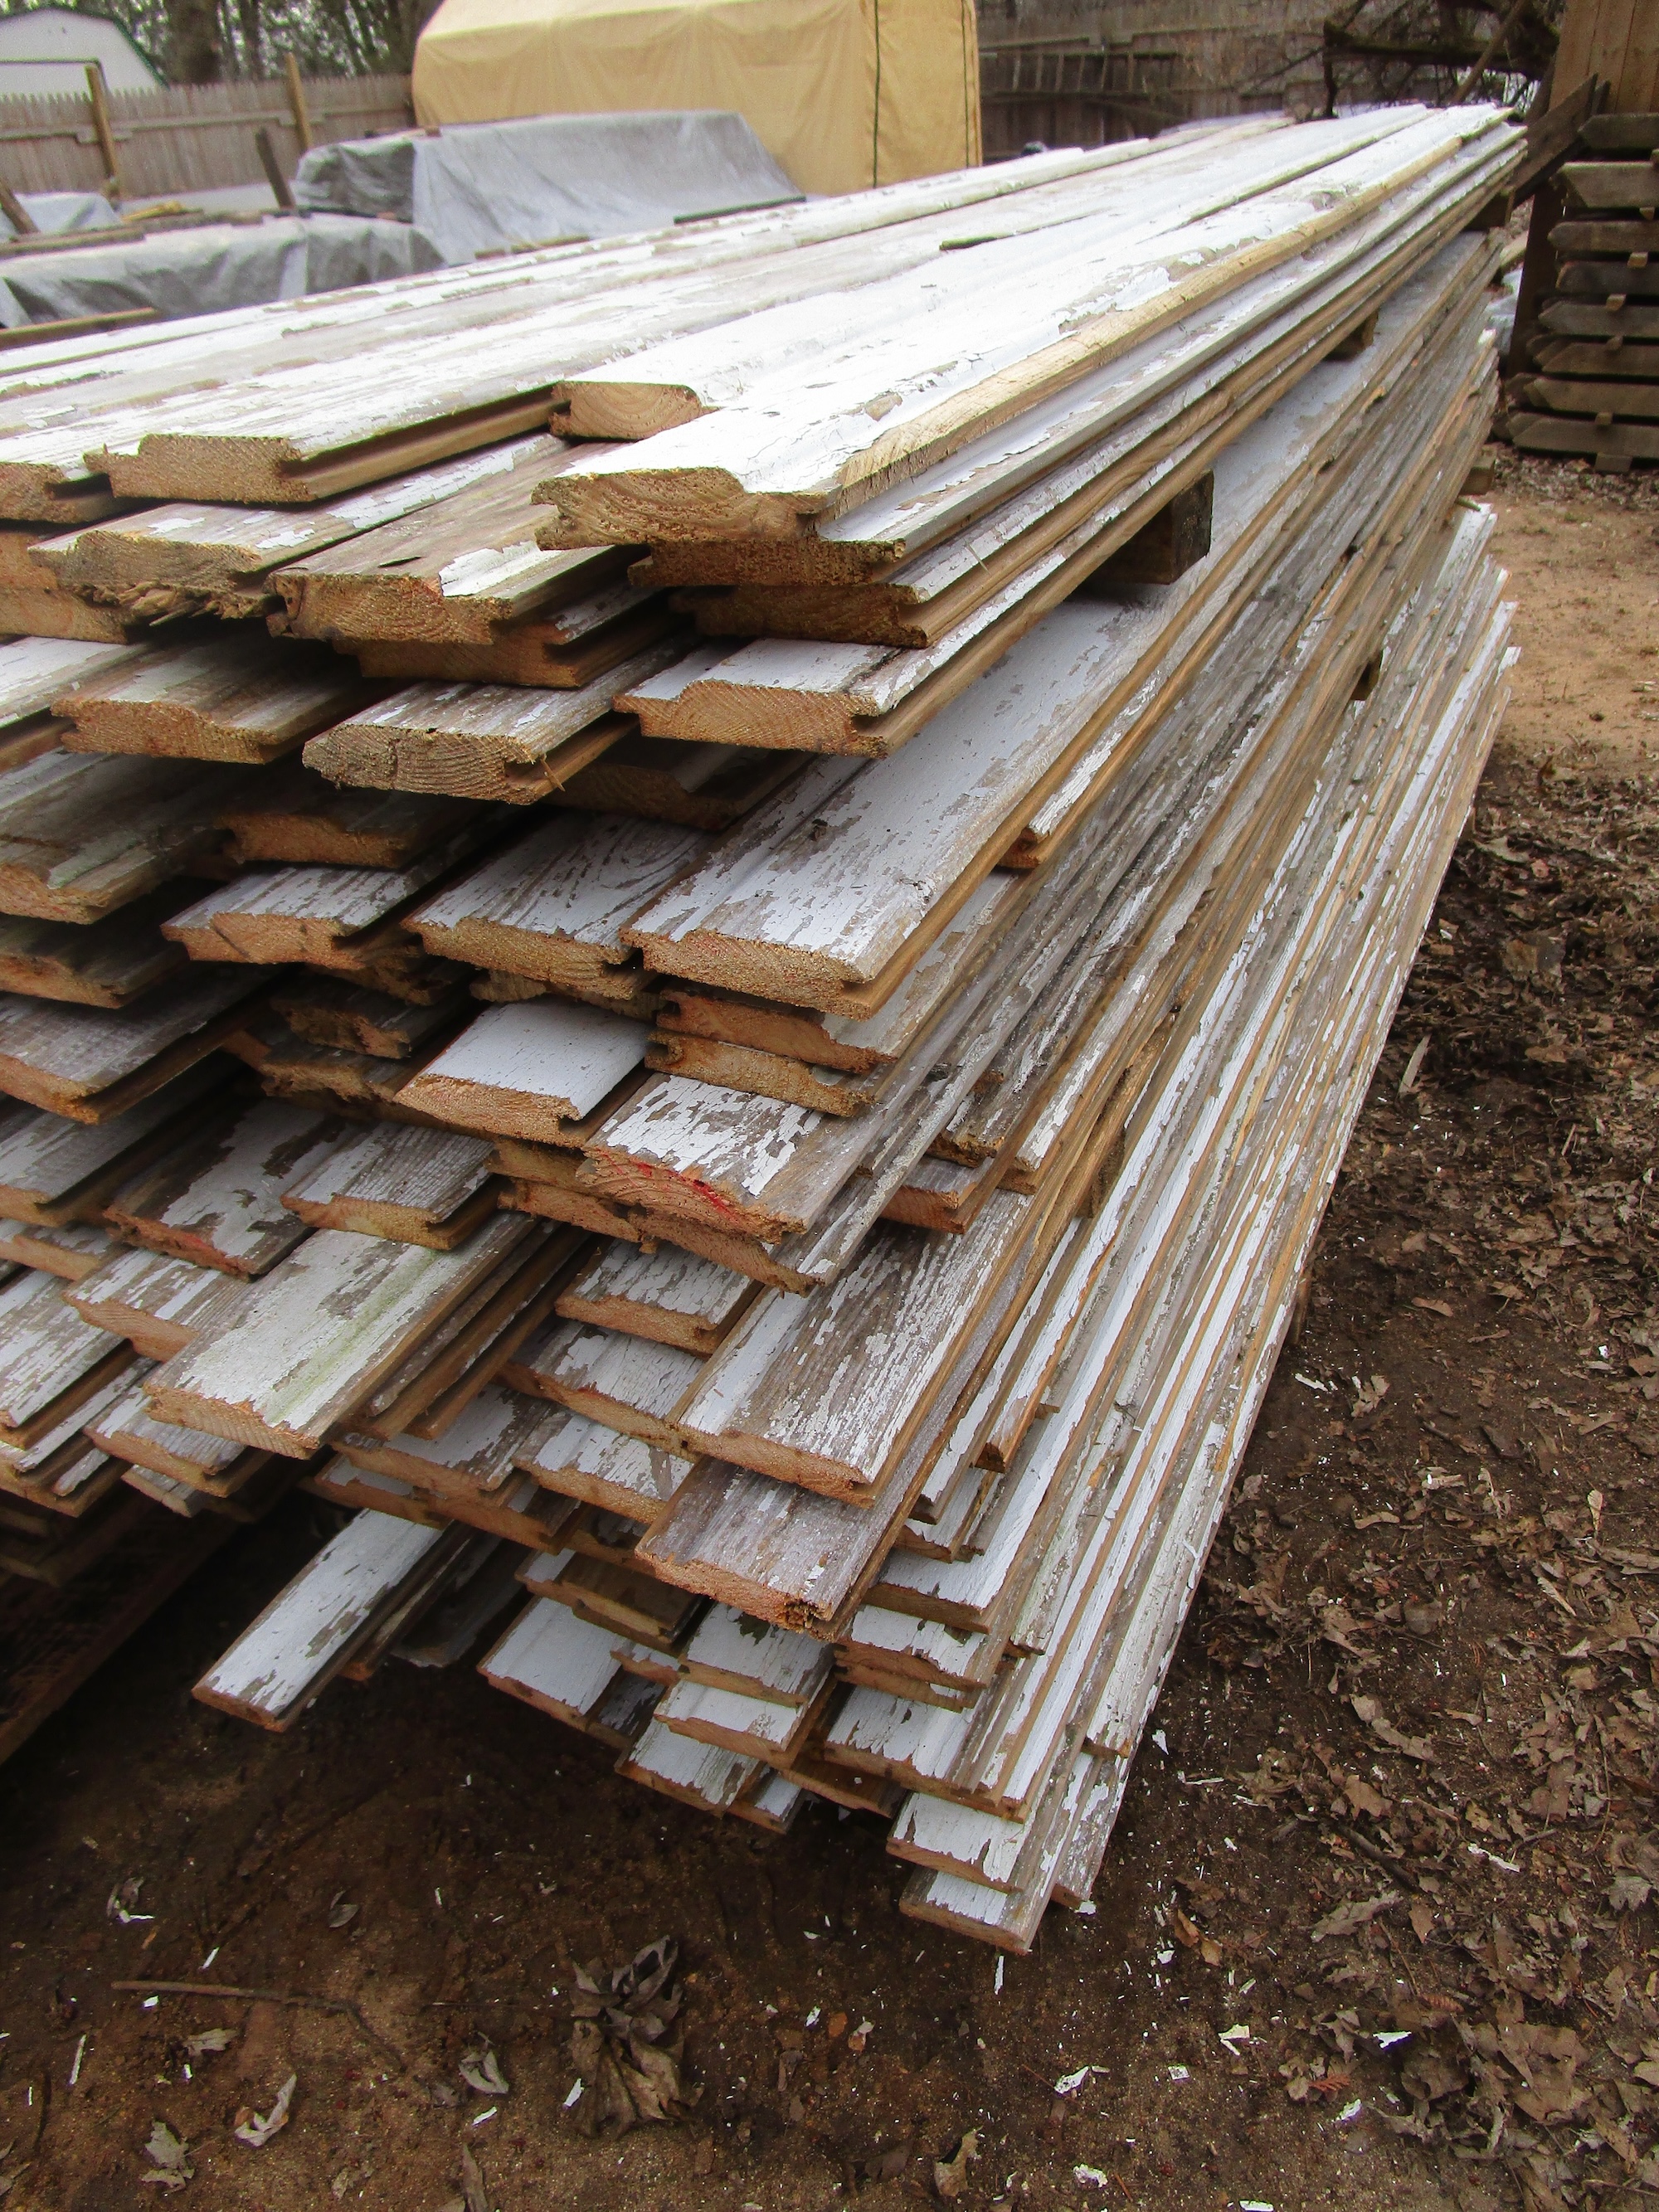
1396 1821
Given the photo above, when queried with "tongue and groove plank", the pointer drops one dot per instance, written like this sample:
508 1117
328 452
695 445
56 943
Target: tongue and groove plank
417 1185
286 1656
106 964
623 1382
360 395
824 891
347 1019
188 558
316 1336
70 1253
162 1306
313 914
582 1459
468 1349
295 816
243 700
459 571
128 1430
482 741
1108 459
928 530
475 1453
706 787
51 1360
873 698
669 1297
553 905
665 383
570 653
91 1064
34 669
983 342
529 1070
217 1197
81 837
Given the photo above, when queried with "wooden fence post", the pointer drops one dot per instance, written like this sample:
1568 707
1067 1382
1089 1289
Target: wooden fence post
296 100
97 93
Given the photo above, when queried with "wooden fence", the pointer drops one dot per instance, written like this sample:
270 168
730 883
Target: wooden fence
189 137
1068 90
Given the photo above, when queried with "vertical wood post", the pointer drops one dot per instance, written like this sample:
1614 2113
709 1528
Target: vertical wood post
296 100
280 191
97 93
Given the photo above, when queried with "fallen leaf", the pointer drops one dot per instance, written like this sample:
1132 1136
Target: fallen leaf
1413 1746
482 2070
1358 1912
951 2174
209 2040
1422 1918
1435 1306
1422 1619
1428 2074
473 2183
1546 2059
170 2156
256 2129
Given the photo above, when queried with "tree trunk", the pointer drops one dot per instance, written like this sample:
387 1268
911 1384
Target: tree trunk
195 50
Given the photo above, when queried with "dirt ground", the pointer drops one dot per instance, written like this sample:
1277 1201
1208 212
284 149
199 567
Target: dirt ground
1378 1926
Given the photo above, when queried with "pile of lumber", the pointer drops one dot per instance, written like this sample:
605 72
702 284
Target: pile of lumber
729 1020
1596 352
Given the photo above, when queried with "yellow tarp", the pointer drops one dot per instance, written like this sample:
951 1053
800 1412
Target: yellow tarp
842 93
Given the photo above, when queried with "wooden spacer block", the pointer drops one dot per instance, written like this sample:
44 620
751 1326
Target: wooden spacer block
1479 481
1167 546
1355 341
1494 216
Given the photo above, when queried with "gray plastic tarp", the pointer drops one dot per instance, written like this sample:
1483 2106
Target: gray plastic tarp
477 187
196 272
62 211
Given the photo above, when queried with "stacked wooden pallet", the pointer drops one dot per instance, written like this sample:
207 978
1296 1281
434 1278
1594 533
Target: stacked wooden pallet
1596 389
822 1294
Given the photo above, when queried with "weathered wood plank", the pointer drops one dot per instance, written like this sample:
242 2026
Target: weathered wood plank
81 837
90 1063
581 1459
47 1354
524 1070
286 1656
419 1186
216 1199
481 741
159 1305
294 815
312 913
238 699
621 1381
315 1336
107 963
553 905
670 1297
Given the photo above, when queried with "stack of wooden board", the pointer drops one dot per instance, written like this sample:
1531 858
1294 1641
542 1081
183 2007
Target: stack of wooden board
804 1320
1596 389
